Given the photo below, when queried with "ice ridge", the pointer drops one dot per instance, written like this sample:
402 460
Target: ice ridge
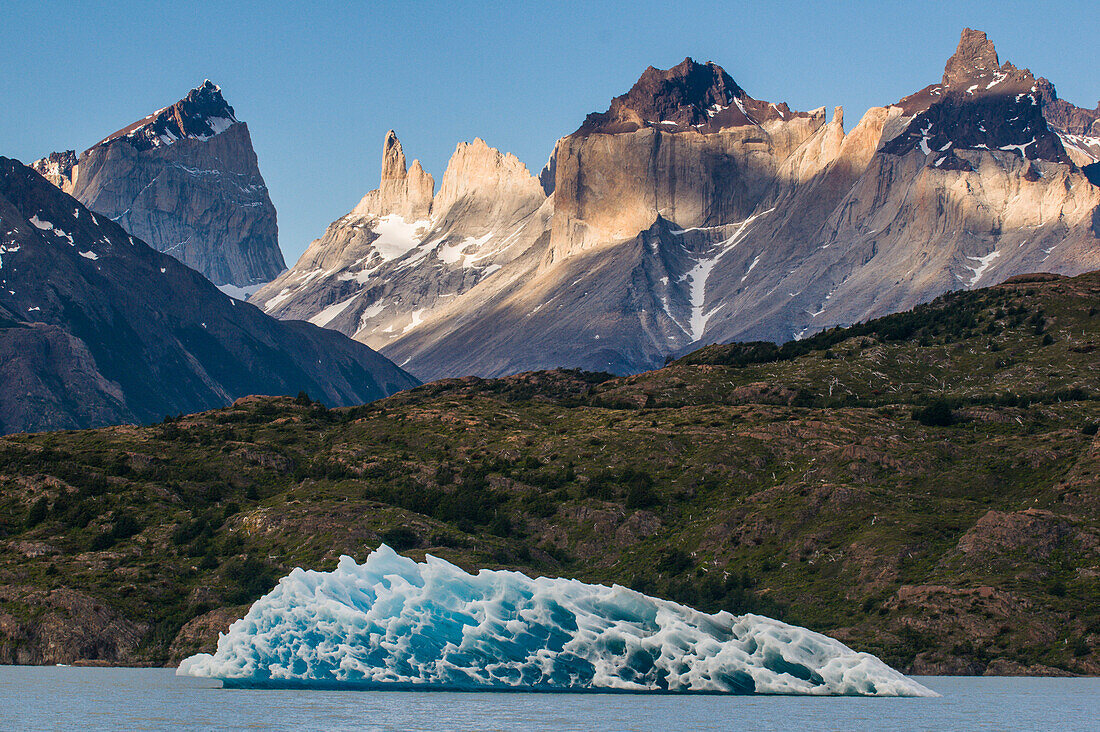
394 623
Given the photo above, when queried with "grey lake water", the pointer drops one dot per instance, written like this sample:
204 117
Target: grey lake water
67 698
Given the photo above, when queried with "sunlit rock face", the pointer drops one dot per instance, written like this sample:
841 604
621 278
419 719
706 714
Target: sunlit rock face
184 179
686 143
691 213
59 168
672 229
404 252
393 623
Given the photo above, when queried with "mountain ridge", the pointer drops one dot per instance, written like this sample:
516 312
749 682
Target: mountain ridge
770 246
98 328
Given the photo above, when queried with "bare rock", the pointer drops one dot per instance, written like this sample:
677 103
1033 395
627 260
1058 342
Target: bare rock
59 168
186 180
200 634
63 626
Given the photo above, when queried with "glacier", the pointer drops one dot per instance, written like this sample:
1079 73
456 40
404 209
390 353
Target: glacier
393 623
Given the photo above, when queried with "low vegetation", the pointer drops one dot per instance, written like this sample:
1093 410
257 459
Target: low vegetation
923 486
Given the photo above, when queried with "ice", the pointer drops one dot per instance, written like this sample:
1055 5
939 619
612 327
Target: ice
417 319
392 623
274 302
1021 148
40 224
89 255
924 140
755 261
238 292
461 252
700 273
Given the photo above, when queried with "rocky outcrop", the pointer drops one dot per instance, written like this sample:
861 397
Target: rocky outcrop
686 144
401 254
689 96
980 104
62 625
59 168
200 634
185 179
97 328
1078 128
402 192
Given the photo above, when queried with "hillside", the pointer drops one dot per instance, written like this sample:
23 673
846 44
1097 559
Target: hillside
923 487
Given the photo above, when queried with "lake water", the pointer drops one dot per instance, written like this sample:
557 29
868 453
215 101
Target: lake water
50 698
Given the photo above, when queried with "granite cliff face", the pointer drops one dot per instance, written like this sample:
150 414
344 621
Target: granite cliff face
690 213
186 180
402 253
687 144
98 328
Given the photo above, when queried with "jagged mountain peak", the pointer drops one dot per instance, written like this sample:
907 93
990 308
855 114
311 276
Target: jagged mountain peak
688 96
58 168
686 83
186 180
980 104
201 114
974 54
402 191
1080 125
393 158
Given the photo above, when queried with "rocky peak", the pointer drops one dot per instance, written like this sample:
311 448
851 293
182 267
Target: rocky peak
974 55
1067 117
476 170
201 114
402 191
58 168
393 158
980 104
689 96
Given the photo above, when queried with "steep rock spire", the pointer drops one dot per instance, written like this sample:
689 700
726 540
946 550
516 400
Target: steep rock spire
974 55
405 192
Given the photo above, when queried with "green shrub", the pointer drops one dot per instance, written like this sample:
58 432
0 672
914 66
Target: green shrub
400 538
38 512
936 414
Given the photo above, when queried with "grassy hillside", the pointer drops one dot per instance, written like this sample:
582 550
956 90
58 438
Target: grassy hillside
925 487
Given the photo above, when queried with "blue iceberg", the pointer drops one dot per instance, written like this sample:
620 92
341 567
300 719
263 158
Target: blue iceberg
391 623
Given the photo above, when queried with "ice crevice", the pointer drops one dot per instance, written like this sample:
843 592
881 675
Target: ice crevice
393 623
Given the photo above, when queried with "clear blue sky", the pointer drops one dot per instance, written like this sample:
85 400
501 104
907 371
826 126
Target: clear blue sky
320 83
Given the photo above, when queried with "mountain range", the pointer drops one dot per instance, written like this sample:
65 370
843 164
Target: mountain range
691 213
687 213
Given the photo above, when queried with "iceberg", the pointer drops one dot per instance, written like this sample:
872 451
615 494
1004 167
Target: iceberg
393 623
